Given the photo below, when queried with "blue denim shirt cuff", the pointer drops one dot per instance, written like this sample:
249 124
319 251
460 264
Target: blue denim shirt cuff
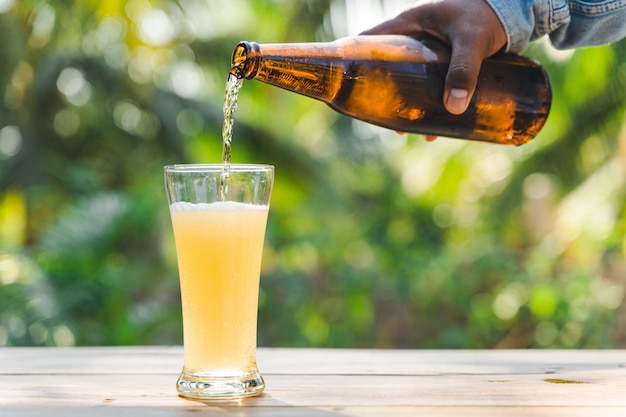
569 23
518 22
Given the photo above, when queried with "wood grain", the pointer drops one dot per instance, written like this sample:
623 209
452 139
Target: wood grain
140 381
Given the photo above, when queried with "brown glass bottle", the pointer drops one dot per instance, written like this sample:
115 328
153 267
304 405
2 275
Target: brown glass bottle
397 82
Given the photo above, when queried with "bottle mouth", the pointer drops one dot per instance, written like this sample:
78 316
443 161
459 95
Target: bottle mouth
242 64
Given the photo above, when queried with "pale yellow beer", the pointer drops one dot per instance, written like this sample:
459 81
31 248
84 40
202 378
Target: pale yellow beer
219 248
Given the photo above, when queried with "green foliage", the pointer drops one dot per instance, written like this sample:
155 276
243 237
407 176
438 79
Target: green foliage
374 239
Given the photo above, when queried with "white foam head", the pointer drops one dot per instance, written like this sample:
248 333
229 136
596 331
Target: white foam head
218 205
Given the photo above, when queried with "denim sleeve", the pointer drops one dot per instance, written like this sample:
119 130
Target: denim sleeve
568 23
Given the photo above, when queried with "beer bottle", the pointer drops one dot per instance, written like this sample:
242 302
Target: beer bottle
397 82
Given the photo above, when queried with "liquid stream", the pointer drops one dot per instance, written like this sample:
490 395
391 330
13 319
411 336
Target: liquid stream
233 85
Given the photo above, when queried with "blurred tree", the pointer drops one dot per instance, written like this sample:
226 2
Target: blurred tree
374 239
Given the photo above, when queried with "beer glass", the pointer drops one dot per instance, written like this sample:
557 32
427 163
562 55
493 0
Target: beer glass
219 214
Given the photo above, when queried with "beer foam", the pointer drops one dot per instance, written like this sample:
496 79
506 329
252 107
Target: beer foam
218 205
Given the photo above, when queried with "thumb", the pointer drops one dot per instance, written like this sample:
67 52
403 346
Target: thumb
461 78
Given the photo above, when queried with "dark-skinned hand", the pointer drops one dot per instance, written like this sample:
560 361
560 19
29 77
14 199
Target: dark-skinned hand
470 27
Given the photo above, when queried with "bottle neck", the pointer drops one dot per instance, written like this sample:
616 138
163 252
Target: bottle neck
304 68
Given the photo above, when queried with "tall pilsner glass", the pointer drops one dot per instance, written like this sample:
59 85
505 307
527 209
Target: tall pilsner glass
219 228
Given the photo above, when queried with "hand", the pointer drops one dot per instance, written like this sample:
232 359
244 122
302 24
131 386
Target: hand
470 27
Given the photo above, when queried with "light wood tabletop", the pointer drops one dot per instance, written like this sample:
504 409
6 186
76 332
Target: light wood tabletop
140 381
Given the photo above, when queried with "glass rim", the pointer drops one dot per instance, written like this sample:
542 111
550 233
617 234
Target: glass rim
218 168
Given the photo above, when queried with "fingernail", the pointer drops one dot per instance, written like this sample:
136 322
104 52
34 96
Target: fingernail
457 101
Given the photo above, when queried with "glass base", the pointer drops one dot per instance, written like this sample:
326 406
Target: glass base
219 387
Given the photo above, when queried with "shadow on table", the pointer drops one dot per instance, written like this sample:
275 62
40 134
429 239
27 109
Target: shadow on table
263 405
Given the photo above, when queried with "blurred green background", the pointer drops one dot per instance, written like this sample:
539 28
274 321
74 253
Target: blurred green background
374 239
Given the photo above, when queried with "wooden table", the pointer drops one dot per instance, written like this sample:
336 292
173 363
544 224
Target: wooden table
139 381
